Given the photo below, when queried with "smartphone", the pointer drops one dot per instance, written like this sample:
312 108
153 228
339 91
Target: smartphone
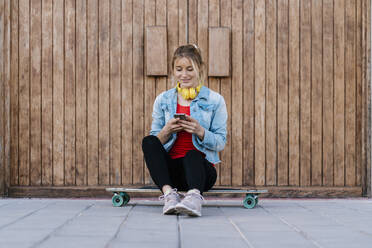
180 116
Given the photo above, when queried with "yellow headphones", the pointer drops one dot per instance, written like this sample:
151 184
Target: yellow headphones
188 93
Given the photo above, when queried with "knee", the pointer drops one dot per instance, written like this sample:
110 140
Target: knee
149 141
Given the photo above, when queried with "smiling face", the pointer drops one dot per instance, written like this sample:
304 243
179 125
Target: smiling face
185 73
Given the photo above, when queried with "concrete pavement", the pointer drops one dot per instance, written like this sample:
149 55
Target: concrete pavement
225 223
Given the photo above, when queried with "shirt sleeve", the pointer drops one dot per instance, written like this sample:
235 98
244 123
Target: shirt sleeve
215 137
158 119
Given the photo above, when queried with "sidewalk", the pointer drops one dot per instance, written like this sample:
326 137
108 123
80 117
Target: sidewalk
225 223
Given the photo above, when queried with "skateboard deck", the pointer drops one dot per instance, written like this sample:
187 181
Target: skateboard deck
121 195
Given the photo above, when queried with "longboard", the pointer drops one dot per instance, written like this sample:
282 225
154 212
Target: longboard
121 195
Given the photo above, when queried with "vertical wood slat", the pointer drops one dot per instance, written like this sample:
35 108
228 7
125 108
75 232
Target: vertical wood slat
182 22
149 87
58 93
47 93
81 92
161 20
172 32
316 93
6 78
103 93
127 87
359 161
236 90
2 99
14 95
282 65
260 107
350 94
305 93
92 87
339 89
294 90
202 34
214 83
193 21
70 95
115 92
225 166
35 94
248 94
138 94
328 96
24 92
271 93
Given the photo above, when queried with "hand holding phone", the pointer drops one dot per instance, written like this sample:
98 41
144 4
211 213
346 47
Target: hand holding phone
180 116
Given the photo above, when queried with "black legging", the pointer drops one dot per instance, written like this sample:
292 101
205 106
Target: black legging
190 172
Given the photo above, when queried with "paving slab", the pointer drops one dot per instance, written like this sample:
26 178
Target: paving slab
225 223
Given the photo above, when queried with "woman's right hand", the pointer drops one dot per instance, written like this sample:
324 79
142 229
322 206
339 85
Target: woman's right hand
172 126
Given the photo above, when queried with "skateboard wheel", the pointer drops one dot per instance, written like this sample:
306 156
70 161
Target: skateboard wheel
126 198
250 201
117 200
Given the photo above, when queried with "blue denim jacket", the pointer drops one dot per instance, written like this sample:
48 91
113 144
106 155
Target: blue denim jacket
208 108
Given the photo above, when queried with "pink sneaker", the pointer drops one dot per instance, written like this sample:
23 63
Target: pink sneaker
191 204
170 201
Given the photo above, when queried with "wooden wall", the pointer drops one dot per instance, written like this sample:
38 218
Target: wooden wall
77 101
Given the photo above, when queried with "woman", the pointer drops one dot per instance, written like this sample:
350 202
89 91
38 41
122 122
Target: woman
181 152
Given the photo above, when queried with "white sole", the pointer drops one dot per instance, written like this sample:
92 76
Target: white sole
188 211
170 211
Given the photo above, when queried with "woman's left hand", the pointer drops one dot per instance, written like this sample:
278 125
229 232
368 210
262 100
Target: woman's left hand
191 125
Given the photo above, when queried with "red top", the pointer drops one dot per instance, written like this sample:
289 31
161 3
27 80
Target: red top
183 143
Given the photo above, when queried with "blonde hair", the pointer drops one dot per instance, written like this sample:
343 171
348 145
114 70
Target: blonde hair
193 53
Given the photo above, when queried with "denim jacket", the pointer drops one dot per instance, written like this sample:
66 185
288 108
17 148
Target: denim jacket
208 108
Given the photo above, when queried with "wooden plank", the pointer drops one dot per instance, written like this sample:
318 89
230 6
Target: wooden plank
81 92
367 66
294 93
172 31
70 92
24 92
155 45
248 93
328 93
316 93
14 95
225 166
305 92
193 21
182 22
150 81
92 86
127 88
2 100
115 93
259 95
47 93
7 82
350 94
104 93
283 91
100 191
58 93
271 131
161 20
202 22
359 96
35 87
236 92
339 91
214 83
219 55
138 81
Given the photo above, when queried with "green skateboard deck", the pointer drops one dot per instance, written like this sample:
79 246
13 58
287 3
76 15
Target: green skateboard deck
121 195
